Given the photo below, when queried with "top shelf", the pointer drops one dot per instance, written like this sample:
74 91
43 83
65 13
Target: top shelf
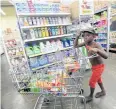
43 14
101 10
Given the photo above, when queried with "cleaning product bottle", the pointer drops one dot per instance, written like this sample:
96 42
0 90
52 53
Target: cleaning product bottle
34 21
48 47
29 50
26 22
21 22
36 48
32 33
39 32
64 30
42 47
30 21
59 20
43 32
61 30
33 62
46 32
54 46
59 44
38 21
36 33
50 31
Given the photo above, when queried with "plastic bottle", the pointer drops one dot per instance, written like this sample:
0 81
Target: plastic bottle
46 32
32 33
43 32
59 44
42 47
65 43
33 62
50 31
38 21
34 21
39 32
21 22
48 47
29 50
54 46
64 30
36 33
36 48
61 30
26 22
43 60
59 20
30 21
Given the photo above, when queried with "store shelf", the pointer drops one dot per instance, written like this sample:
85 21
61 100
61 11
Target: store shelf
43 14
46 65
38 26
50 52
112 49
51 37
101 10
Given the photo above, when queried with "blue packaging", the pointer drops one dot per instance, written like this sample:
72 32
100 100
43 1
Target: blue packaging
43 60
51 58
33 62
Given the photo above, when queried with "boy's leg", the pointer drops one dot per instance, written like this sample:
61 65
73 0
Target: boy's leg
102 93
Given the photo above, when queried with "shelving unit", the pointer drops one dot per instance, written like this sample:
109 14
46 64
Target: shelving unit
46 38
50 52
101 23
41 28
28 27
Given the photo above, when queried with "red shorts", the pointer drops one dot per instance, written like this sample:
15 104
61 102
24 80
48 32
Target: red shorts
96 75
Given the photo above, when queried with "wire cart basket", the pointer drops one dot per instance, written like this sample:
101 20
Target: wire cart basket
59 86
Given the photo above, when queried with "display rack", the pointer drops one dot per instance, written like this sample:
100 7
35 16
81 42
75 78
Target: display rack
101 24
112 28
44 31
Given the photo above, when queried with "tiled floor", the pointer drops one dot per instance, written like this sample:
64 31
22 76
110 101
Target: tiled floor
11 99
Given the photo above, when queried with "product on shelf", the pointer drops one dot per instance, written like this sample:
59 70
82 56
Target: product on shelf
33 62
33 7
44 32
29 49
41 21
43 60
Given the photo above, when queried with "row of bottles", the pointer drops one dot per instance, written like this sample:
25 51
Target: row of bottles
30 21
44 32
48 46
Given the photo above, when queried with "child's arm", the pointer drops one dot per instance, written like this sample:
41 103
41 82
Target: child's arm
99 51
76 44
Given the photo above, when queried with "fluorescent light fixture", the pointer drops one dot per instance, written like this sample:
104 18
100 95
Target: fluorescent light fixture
2 12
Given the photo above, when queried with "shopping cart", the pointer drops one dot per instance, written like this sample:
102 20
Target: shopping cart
59 85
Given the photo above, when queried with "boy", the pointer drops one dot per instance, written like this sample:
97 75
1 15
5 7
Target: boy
97 62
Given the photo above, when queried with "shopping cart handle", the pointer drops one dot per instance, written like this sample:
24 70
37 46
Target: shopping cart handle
89 57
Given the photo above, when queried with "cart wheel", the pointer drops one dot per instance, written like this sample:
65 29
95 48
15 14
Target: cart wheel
47 101
82 91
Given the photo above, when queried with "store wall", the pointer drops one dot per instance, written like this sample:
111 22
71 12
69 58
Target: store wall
8 20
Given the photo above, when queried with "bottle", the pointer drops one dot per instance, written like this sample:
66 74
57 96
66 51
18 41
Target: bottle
53 31
54 46
29 50
39 32
61 30
33 62
50 31
59 20
46 32
47 21
30 21
43 32
59 44
64 30
36 48
36 33
32 33
48 47
26 22
38 21
21 22
34 21
42 47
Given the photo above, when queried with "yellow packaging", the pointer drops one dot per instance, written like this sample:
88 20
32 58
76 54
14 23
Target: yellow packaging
46 32
43 32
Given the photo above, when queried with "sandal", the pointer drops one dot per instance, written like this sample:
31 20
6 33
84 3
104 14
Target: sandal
100 94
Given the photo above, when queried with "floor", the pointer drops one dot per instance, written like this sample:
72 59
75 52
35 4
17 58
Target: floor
11 99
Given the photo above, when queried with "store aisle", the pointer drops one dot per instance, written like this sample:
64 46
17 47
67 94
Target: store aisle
11 99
